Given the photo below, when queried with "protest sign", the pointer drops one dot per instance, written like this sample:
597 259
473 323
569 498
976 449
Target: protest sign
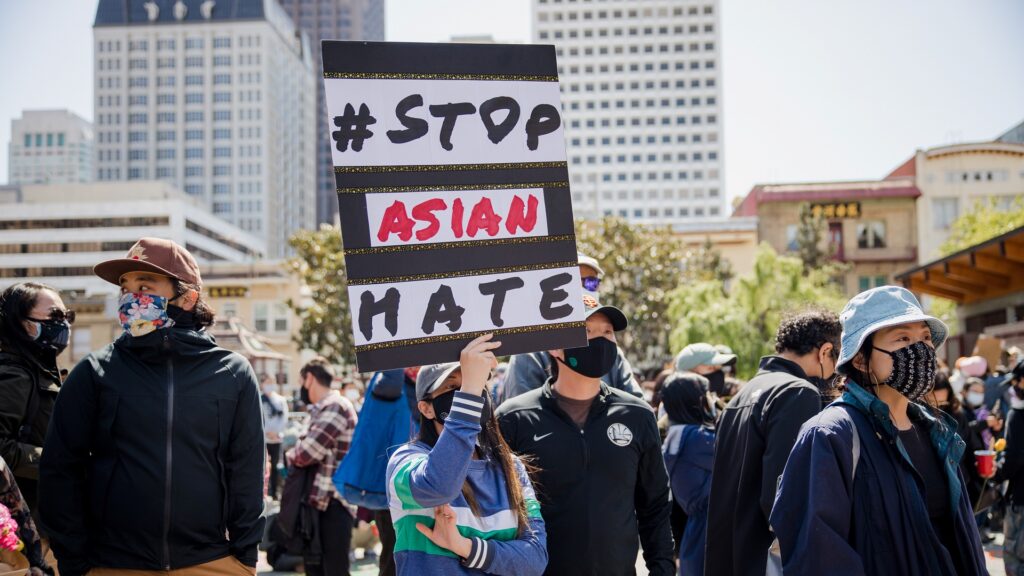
454 199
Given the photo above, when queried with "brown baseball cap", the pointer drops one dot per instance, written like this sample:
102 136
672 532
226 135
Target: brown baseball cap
156 255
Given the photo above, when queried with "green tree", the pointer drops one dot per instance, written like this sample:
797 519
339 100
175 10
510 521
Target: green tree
326 321
641 265
984 221
706 263
747 316
809 233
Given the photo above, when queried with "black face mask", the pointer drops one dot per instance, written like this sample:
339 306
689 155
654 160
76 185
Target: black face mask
304 395
913 370
716 383
443 406
52 336
594 360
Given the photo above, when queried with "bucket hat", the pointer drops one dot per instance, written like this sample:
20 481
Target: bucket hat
882 307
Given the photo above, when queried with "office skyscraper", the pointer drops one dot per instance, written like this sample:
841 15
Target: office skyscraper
332 20
216 96
50 147
641 98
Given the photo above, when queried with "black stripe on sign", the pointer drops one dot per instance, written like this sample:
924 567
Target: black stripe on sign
558 203
355 227
450 260
357 230
429 58
422 354
435 178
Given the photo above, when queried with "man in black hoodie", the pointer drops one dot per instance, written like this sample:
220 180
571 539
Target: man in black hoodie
154 457
756 432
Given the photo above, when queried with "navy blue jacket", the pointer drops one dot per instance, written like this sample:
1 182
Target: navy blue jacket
856 507
689 455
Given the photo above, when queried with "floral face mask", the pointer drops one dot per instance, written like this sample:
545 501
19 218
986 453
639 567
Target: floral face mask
141 313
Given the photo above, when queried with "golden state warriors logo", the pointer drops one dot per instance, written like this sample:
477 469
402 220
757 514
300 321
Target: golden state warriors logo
620 435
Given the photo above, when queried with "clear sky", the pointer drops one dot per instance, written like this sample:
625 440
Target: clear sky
813 89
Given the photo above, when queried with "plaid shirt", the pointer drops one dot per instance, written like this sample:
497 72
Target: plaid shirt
332 421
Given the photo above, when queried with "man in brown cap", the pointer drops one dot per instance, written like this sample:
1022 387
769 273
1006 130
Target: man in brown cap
154 457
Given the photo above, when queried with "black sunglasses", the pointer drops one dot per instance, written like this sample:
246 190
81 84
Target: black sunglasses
58 315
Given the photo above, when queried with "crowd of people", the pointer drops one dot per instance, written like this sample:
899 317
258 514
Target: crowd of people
852 450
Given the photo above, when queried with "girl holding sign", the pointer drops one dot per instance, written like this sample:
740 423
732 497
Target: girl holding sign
461 502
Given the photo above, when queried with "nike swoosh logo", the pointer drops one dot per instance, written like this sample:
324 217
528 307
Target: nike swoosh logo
539 438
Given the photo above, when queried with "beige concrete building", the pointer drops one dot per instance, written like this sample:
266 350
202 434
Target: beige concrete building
734 238
871 225
953 178
251 302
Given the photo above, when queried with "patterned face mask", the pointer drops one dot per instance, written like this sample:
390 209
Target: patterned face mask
141 313
913 370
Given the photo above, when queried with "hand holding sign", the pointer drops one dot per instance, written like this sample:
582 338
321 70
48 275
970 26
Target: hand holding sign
476 361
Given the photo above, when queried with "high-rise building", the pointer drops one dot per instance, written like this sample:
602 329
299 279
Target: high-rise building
332 20
50 147
642 105
217 97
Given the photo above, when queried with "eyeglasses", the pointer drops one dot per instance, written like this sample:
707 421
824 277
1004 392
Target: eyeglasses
590 283
58 315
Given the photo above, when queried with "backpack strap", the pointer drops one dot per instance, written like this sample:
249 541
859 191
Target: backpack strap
855 451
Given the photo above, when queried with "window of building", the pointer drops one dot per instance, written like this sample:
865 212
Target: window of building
193 116
222 42
871 234
944 212
869 282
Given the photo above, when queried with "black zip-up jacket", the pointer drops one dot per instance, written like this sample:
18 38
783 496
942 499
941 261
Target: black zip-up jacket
154 457
756 433
599 488
1013 465
22 377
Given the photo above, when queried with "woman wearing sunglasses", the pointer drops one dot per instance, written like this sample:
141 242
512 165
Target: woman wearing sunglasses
873 484
35 328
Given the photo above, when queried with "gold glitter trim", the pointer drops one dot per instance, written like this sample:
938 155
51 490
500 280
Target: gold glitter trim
452 187
446 167
408 76
468 335
466 244
462 273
